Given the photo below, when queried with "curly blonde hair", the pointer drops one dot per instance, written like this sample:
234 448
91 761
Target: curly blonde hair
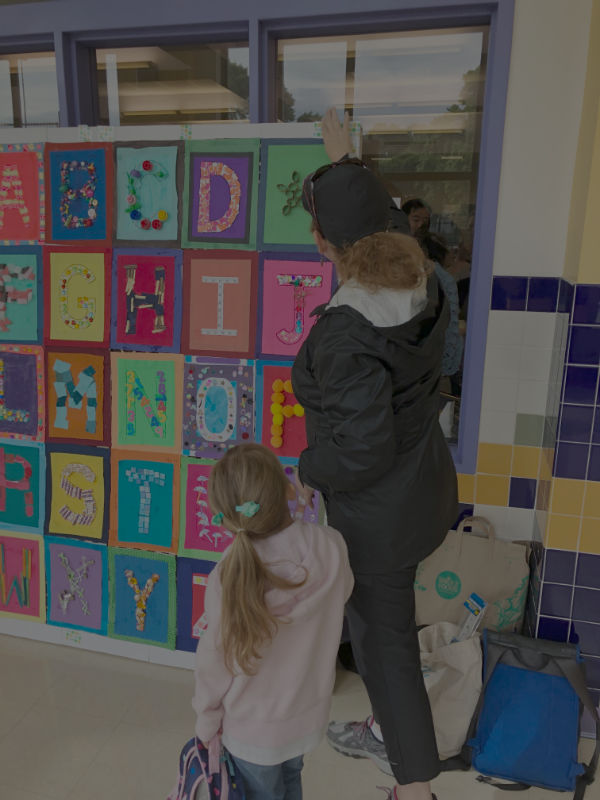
383 260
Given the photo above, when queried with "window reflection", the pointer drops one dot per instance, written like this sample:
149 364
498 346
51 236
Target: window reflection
418 96
28 90
179 84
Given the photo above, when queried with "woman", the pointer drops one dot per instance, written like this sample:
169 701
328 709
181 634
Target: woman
368 377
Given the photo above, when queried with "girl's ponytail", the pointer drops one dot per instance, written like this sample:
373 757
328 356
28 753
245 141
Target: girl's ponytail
248 473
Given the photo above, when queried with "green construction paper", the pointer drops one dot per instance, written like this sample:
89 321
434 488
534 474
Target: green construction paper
282 161
221 146
146 371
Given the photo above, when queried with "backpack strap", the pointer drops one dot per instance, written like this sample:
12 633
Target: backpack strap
572 671
505 787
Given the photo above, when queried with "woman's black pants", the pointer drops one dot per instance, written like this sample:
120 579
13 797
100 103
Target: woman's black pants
383 632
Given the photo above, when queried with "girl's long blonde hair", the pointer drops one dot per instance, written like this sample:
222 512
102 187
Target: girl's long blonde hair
248 473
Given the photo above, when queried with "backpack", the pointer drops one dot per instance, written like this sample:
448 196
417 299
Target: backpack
207 773
526 725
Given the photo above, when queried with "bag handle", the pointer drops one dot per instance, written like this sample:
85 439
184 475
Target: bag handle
482 523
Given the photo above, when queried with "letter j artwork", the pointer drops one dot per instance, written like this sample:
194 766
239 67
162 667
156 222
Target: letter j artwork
147 401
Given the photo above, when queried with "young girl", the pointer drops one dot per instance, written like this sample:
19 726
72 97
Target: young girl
265 665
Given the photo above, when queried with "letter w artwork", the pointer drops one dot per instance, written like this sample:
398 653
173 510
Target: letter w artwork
16 287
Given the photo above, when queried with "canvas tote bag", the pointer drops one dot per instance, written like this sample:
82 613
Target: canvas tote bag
494 569
452 673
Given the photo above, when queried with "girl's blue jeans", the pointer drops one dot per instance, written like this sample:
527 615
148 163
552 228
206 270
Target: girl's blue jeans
278 782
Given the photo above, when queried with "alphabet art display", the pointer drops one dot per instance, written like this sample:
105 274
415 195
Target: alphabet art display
129 366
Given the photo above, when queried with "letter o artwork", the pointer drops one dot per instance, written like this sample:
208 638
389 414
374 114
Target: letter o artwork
216 409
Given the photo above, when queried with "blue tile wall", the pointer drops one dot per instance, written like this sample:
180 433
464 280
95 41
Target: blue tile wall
543 294
522 492
559 566
556 600
587 636
555 629
586 309
586 604
588 571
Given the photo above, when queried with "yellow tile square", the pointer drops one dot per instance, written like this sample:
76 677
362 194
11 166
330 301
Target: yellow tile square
492 490
590 536
546 464
466 488
526 462
494 459
591 505
567 496
563 532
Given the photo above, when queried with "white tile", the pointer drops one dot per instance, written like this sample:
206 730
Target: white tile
502 362
538 329
63 745
499 394
535 363
497 427
532 397
520 523
498 516
505 328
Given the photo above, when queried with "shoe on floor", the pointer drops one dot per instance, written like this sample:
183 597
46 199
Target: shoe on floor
392 794
356 740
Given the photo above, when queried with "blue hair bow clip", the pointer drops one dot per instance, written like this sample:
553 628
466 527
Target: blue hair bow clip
248 509
217 519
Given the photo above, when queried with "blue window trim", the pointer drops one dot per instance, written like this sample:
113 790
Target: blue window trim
75 29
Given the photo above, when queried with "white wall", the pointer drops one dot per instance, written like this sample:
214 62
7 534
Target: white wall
545 98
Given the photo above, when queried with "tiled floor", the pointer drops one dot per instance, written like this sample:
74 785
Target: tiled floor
76 725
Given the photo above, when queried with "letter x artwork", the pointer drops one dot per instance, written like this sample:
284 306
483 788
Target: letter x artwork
77 583
220 195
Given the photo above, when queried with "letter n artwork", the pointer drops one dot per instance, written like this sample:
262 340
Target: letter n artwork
221 194
142 596
146 401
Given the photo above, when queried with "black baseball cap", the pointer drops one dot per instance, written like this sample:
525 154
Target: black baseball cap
348 202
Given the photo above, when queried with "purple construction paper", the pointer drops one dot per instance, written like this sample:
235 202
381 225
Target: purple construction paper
91 586
20 392
220 197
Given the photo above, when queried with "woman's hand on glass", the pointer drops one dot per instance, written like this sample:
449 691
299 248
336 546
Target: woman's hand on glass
336 137
304 494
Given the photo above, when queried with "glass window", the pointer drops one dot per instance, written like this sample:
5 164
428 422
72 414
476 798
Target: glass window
178 84
418 96
28 90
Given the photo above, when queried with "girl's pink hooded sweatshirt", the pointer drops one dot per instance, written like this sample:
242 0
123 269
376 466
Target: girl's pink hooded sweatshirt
282 711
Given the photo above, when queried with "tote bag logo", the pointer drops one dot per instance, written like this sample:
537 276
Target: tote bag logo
448 585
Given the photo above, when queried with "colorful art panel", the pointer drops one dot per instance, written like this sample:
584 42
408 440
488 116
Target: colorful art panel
146 401
21 295
22 486
199 536
218 405
144 503
78 388
77 487
146 300
142 597
312 512
192 579
148 204
291 288
221 190
219 310
77 584
283 221
79 193
22 204
77 296
279 416
22 576
22 392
